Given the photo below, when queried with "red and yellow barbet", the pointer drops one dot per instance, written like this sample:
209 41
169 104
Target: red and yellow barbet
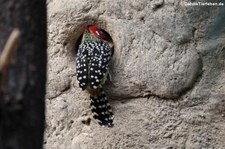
92 63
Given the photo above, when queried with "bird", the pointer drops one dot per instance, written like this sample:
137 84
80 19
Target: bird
92 67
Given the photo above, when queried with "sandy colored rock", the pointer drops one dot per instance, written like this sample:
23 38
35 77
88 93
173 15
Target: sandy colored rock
167 87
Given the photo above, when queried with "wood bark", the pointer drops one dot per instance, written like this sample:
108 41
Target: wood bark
23 90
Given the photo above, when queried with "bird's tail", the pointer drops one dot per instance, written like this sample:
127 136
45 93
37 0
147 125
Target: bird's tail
101 109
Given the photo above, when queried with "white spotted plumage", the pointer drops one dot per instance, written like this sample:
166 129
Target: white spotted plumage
95 68
92 64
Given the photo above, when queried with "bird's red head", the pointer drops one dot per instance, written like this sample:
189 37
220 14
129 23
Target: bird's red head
97 32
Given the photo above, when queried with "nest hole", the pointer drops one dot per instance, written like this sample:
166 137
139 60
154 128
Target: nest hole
79 40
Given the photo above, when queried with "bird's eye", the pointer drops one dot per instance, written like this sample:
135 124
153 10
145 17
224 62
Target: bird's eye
97 32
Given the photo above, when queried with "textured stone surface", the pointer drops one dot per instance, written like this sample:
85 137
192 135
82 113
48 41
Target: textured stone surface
167 87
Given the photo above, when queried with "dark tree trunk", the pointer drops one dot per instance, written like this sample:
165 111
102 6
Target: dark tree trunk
22 97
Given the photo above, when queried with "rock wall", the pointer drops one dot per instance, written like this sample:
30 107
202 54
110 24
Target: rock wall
167 88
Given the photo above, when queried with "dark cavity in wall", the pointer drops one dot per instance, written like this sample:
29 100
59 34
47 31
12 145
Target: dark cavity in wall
79 40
